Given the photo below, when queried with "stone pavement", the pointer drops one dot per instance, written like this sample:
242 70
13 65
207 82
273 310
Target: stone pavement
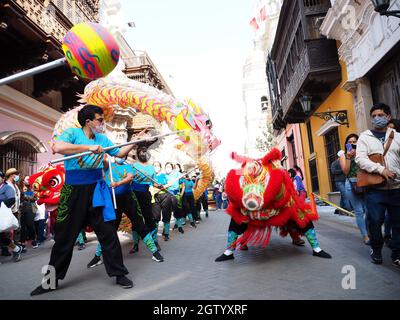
281 271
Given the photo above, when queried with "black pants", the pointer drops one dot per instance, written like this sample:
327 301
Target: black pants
178 212
162 206
202 201
127 203
75 211
28 231
144 199
39 227
241 228
188 204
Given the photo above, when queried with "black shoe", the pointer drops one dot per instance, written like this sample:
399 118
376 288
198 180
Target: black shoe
35 245
157 257
396 263
96 261
157 245
23 248
40 290
134 249
166 237
175 226
206 215
81 246
376 256
17 255
322 254
193 225
180 229
124 282
224 257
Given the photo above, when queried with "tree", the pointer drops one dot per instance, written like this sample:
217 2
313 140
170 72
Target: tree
266 141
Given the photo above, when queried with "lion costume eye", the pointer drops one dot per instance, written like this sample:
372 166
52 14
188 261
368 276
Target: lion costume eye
55 181
35 186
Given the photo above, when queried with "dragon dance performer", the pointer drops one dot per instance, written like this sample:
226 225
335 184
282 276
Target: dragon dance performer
85 199
123 174
188 199
162 205
173 177
262 196
141 188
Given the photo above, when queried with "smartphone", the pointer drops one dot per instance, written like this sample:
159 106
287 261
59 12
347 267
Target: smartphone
349 147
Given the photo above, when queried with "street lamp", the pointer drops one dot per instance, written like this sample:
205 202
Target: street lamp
305 102
339 116
382 6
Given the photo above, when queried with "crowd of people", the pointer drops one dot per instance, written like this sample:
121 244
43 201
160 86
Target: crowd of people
374 205
147 193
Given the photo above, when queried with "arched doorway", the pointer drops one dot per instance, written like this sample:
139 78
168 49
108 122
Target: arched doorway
19 150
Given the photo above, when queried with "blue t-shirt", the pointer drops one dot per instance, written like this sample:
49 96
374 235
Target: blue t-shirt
189 184
119 173
173 176
140 181
161 178
92 161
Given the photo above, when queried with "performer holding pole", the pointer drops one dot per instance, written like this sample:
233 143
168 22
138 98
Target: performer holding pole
85 199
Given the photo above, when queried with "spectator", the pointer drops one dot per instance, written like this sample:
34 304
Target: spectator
224 198
40 222
12 177
353 194
386 196
28 211
217 195
394 124
299 172
340 179
298 184
7 196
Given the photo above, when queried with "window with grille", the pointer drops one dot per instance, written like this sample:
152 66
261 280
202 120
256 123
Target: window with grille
332 146
18 154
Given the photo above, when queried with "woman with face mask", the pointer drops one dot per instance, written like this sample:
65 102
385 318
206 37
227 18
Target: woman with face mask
162 205
173 177
354 195
187 185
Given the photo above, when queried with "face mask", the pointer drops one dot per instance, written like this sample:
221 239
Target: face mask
98 129
168 170
158 169
16 178
380 122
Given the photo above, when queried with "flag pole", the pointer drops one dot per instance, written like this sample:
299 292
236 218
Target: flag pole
112 181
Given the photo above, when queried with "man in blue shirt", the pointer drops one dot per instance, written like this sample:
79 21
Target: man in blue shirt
123 174
162 201
85 199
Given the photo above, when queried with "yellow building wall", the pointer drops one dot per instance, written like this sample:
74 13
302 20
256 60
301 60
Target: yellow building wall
339 99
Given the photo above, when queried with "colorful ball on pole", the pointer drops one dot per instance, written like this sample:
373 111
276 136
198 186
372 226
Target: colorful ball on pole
90 50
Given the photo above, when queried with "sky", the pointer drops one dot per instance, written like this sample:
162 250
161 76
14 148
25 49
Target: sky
200 48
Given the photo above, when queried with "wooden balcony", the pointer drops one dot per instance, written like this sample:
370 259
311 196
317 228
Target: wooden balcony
317 74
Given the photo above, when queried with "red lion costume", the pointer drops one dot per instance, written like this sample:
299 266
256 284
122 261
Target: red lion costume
261 196
274 207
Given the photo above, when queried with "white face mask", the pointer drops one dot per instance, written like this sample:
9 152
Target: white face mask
157 168
16 178
168 170
99 129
